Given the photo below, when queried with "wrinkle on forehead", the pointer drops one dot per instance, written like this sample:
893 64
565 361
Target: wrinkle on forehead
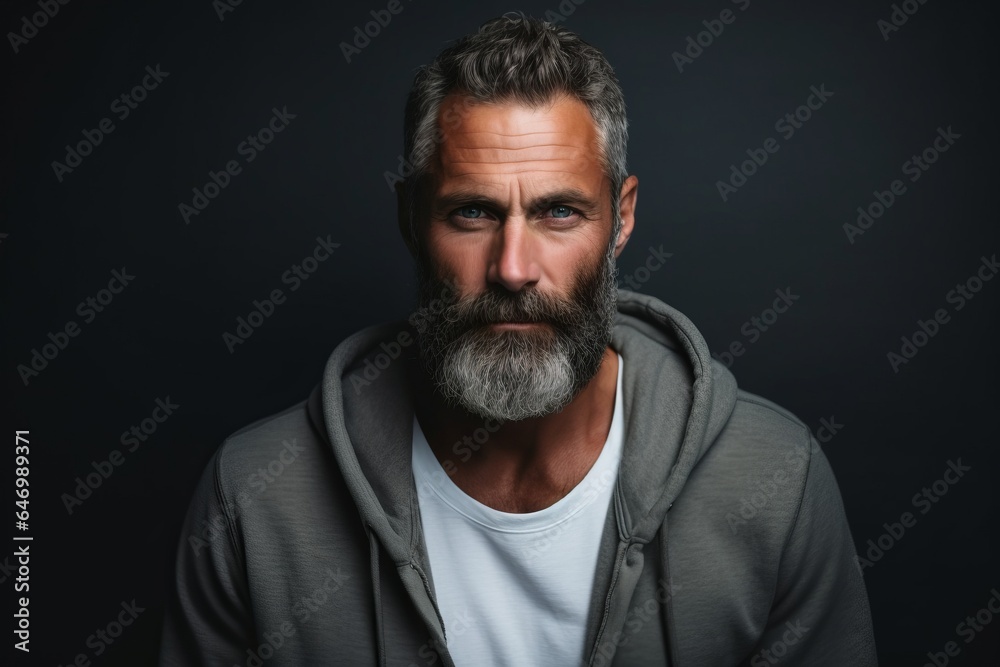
510 138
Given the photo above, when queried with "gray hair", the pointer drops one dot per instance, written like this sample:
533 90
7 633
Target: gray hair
513 58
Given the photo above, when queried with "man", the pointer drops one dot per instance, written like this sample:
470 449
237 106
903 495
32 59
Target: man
557 472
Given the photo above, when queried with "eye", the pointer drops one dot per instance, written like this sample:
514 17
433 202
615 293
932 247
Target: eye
472 212
561 211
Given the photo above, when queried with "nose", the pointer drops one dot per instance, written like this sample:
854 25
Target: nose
515 264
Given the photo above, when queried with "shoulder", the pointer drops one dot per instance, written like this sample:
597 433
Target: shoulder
254 456
257 441
743 499
754 474
761 436
770 422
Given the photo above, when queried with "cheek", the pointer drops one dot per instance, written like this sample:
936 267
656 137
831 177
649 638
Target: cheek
560 264
565 269
457 258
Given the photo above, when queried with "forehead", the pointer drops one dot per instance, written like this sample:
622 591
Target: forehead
485 144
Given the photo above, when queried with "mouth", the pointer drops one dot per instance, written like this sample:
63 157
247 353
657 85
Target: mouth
514 325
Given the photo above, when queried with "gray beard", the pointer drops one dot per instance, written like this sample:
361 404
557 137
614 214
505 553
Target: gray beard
510 375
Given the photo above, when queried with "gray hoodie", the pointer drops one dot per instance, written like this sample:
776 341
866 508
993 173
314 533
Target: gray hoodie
725 543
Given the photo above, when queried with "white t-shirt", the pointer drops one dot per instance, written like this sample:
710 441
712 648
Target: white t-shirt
515 589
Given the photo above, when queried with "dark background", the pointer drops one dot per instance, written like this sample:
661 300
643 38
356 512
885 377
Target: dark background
325 175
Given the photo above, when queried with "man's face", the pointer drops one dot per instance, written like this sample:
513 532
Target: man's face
517 244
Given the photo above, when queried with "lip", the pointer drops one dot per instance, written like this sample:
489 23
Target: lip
514 325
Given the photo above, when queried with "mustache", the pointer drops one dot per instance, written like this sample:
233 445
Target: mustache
494 307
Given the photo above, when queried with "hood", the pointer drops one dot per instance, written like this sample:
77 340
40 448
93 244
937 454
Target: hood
676 399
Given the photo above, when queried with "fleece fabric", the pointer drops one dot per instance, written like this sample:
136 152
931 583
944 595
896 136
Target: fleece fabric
725 542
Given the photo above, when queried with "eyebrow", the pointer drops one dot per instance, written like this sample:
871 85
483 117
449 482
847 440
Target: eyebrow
565 196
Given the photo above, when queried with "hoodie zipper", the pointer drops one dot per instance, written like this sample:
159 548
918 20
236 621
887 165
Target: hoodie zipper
668 610
622 549
377 591
668 616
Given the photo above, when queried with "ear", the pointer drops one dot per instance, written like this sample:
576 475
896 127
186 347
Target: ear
627 201
403 218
